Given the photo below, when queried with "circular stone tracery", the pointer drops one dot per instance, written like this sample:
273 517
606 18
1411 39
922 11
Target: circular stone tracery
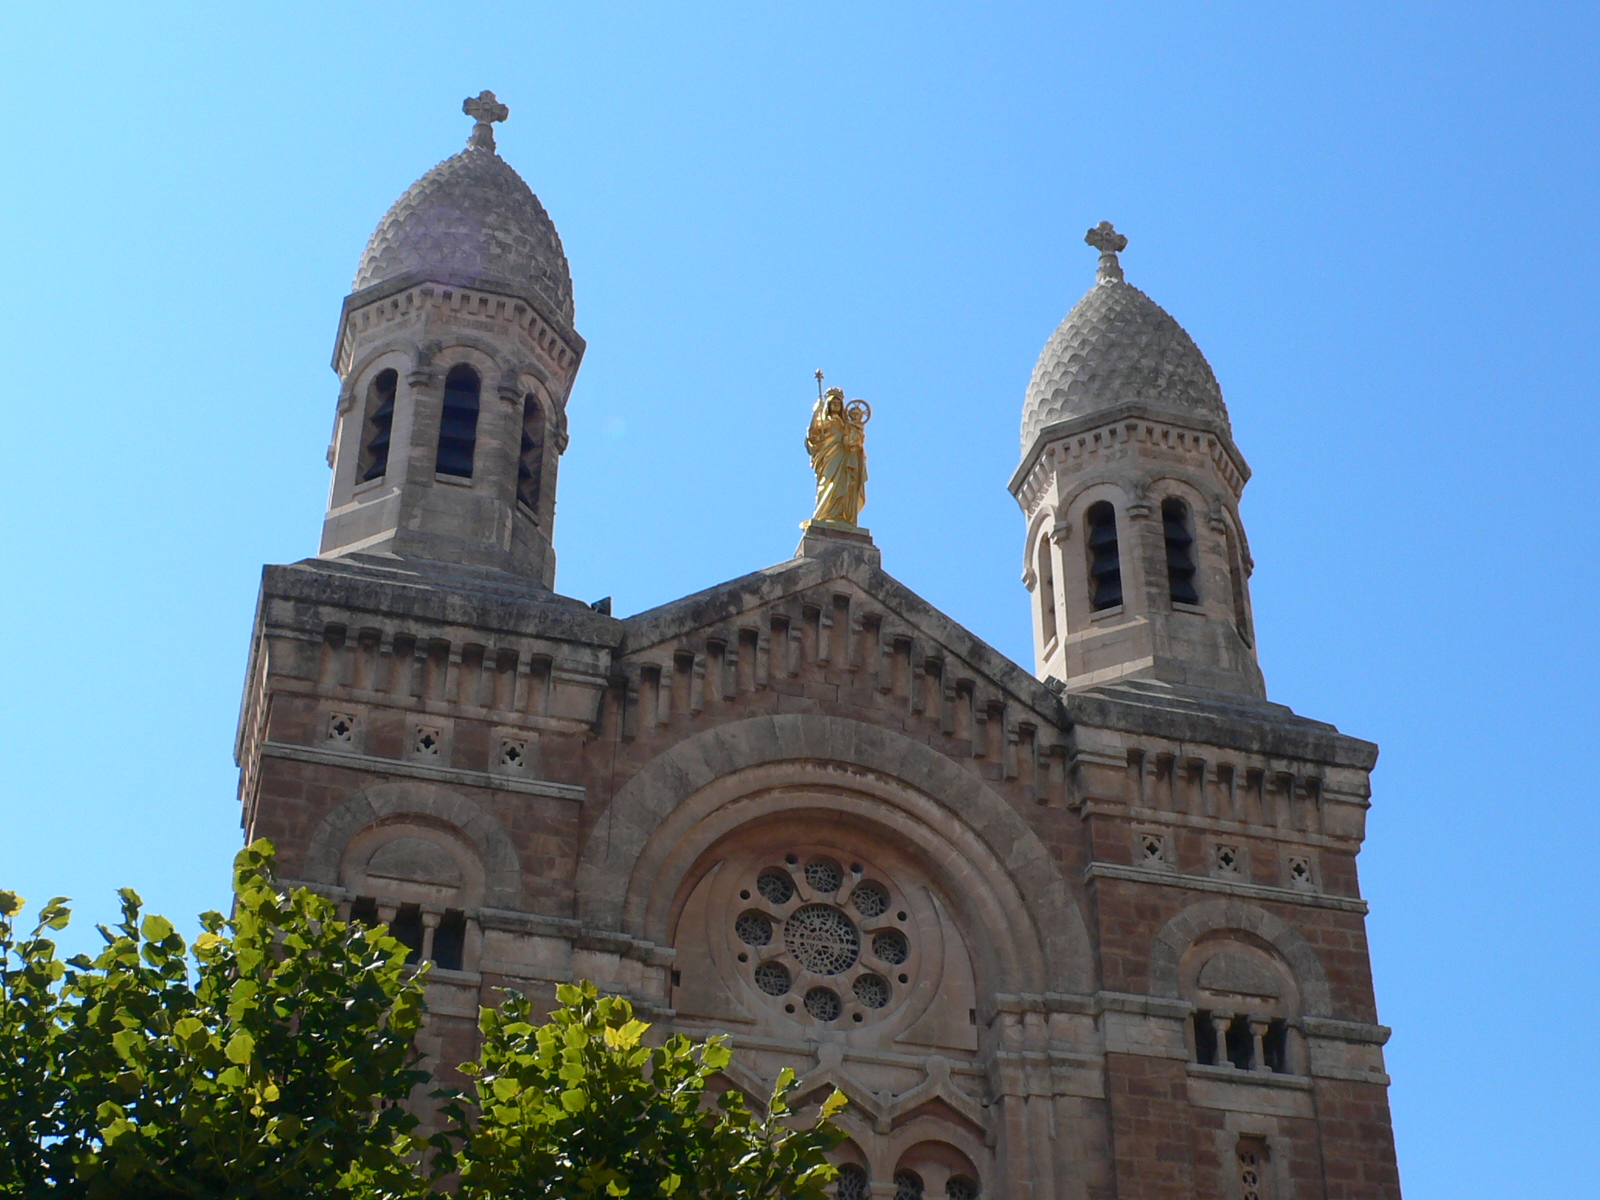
822 938
824 876
755 930
891 946
869 899
773 978
775 886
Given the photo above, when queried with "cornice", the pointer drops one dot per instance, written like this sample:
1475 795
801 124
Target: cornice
539 306
1243 891
415 770
1128 418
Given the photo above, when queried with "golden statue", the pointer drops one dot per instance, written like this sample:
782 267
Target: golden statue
836 441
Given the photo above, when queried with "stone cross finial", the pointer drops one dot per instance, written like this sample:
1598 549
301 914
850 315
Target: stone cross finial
484 109
1108 241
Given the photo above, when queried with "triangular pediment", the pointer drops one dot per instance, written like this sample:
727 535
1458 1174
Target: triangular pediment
831 620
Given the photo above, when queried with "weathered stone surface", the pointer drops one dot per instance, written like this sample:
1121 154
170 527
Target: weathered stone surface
1050 884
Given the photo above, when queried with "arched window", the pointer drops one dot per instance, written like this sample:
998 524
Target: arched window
530 464
375 429
458 424
1047 591
1245 1004
1105 566
1241 620
1180 557
852 1184
907 1185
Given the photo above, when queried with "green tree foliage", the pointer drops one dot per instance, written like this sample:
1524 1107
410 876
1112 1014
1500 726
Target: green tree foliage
38 1140
270 1060
266 1061
581 1107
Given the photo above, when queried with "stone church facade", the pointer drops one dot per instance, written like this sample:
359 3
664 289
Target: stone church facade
1090 931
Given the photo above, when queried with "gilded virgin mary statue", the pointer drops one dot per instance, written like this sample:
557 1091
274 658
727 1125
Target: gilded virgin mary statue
836 441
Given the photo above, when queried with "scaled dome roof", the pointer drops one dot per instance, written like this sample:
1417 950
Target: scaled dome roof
471 219
1117 345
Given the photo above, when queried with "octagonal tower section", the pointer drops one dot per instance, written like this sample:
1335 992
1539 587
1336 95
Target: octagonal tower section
1130 482
456 354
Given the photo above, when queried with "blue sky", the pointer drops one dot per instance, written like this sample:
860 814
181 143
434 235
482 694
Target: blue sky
1378 221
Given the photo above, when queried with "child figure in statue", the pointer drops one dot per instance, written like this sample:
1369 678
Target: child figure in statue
836 442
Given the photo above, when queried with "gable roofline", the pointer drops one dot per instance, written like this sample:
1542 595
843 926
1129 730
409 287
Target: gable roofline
724 603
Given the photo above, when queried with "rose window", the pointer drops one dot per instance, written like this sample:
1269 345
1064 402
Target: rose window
772 977
775 886
870 900
824 941
824 876
753 929
871 990
891 946
823 1004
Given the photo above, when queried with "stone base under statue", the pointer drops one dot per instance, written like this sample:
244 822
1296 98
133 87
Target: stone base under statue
824 537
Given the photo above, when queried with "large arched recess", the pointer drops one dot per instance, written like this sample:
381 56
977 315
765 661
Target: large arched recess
1005 890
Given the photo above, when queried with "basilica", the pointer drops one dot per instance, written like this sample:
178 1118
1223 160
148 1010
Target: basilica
1086 929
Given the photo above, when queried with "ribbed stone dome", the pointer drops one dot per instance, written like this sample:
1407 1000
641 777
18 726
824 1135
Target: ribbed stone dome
1118 345
471 218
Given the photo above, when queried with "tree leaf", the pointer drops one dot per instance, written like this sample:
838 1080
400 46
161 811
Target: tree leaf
156 928
240 1049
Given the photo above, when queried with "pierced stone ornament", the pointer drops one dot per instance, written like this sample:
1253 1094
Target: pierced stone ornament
823 1004
824 876
891 946
822 938
775 886
870 900
852 1184
871 990
1300 873
753 929
773 978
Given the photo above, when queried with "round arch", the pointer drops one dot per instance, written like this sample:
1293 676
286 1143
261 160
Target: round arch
391 802
1188 926
991 864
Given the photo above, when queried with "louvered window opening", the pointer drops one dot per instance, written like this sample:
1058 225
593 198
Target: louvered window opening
530 463
458 423
1180 552
1105 565
379 423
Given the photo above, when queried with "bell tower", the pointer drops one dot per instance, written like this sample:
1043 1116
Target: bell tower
1130 481
455 354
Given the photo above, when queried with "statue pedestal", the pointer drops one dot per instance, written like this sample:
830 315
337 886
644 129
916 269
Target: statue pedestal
830 537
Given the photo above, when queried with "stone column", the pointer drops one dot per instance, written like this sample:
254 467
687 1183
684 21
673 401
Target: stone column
1219 1023
430 922
1258 1033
